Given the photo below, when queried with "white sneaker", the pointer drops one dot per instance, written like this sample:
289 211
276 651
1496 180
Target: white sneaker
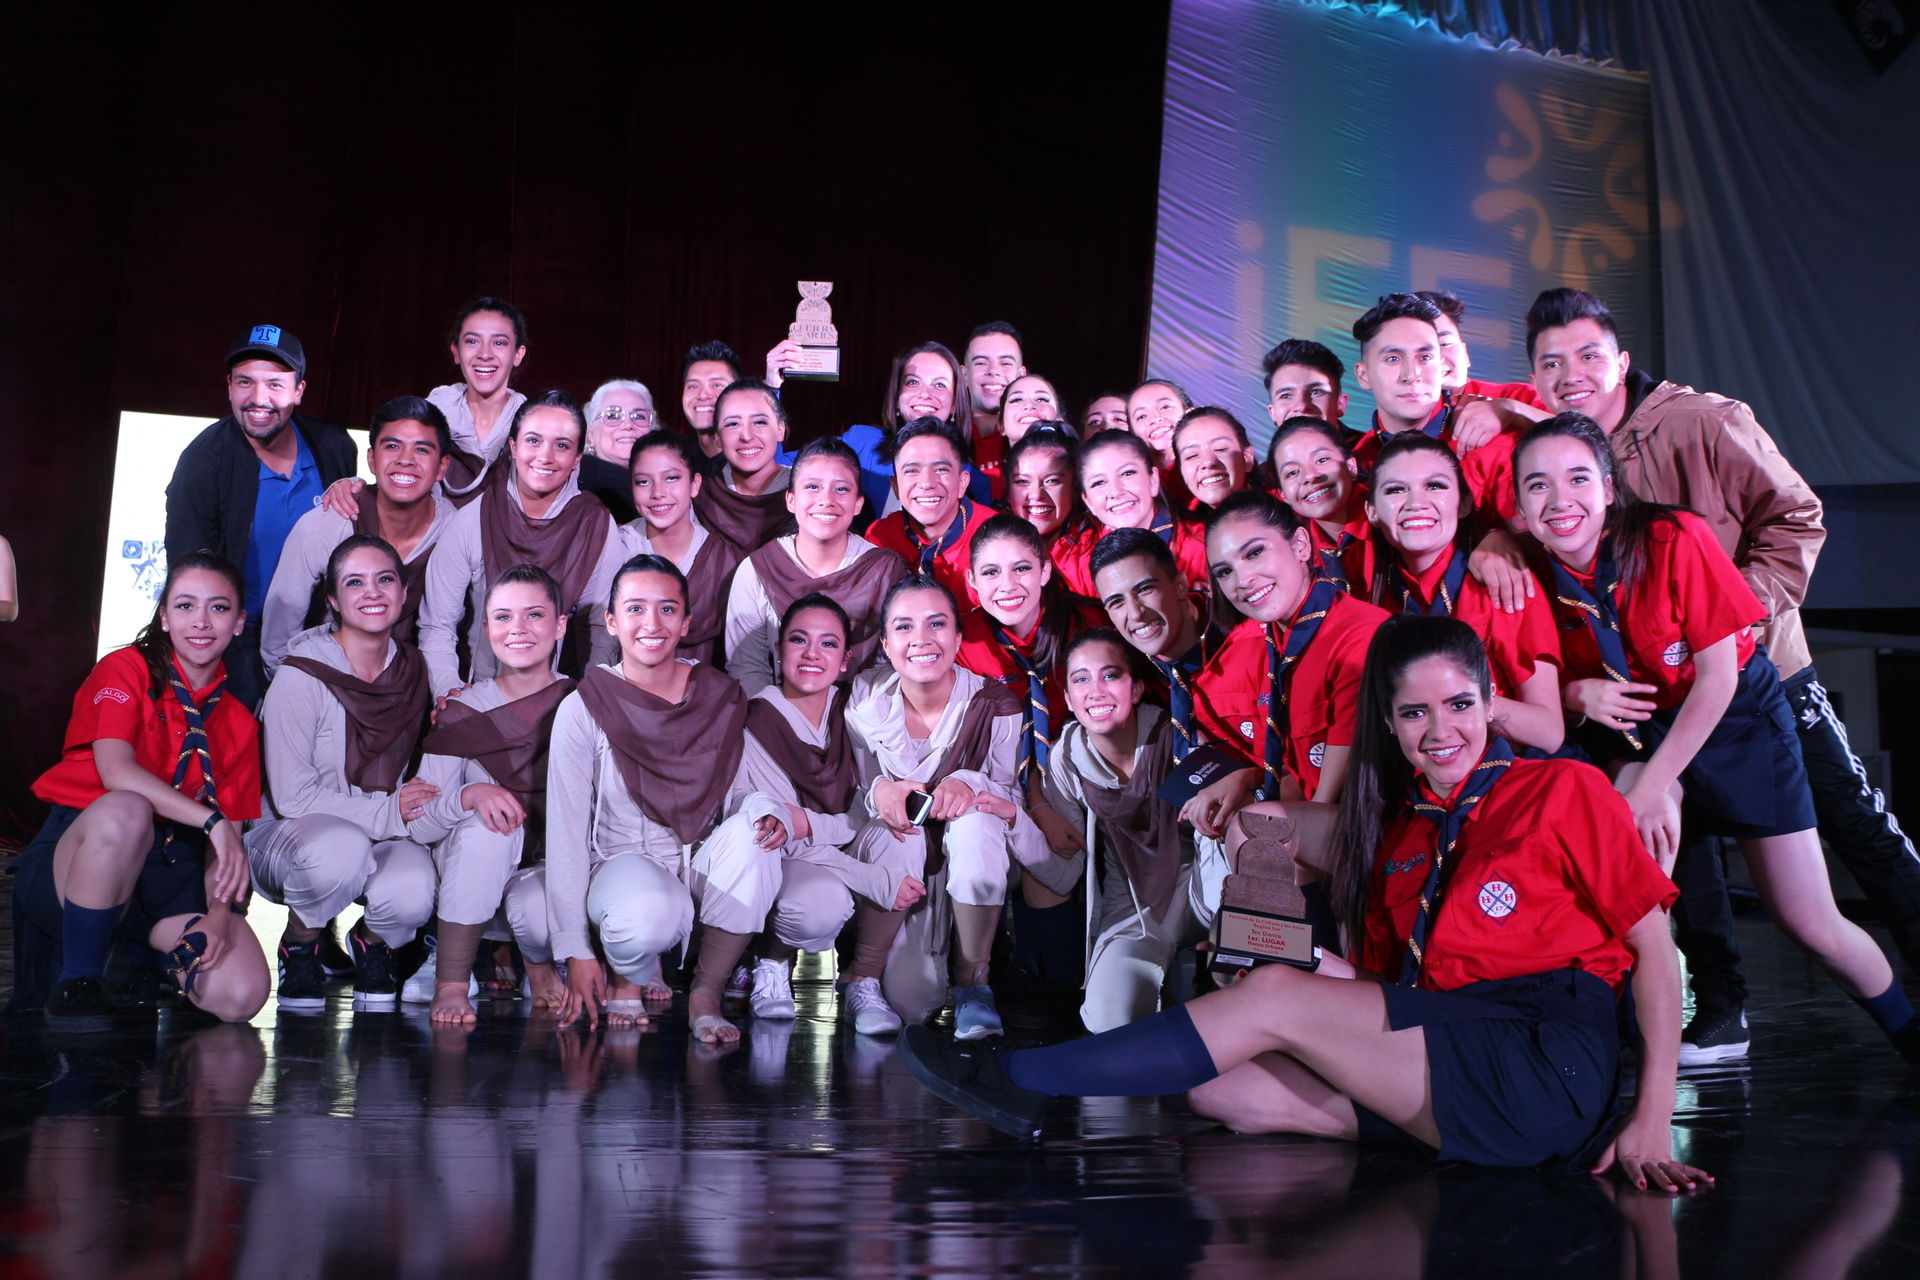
418 989
867 1009
772 990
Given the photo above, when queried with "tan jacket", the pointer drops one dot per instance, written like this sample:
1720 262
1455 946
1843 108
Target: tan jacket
1695 449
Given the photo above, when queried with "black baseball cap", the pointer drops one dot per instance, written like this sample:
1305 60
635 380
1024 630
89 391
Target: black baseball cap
273 343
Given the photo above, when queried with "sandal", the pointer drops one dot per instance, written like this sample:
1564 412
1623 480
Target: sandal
635 1010
183 960
713 1022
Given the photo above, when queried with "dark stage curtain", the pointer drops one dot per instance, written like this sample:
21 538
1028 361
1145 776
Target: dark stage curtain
635 180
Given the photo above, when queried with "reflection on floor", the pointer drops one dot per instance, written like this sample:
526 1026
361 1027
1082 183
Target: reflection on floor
373 1145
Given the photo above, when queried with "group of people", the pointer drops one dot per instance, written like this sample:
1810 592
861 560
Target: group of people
1490 678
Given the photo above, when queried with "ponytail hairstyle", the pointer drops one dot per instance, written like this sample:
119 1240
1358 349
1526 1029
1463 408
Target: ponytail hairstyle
153 642
1056 437
1378 774
347 547
817 600
1007 525
918 582
1630 518
529 574
1399 446
647 562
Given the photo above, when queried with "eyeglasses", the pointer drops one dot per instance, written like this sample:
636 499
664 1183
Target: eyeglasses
638 417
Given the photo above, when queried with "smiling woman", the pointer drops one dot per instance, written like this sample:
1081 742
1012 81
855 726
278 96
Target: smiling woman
142 845
538 515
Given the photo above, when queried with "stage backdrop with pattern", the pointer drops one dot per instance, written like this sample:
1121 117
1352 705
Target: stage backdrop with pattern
1315 157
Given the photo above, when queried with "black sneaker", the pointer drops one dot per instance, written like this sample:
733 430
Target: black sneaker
333 957
1717 1035
968 1075
303 982
376 984
1907 1041
79 1005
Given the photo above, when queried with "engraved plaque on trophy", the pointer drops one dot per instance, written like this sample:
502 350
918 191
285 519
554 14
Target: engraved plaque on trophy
1263 915
812 328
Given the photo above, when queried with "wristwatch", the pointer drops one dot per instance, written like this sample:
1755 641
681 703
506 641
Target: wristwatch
206 828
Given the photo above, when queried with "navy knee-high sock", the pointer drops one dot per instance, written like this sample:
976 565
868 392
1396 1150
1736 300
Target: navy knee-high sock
1890 1008
1156 1055
86 935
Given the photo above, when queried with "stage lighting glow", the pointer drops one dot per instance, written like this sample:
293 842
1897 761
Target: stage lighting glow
136 548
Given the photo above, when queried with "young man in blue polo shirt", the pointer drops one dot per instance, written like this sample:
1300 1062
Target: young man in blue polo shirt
240 485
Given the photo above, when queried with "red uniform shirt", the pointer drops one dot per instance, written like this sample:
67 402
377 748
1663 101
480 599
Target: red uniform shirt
1072 556
1489 475
1324 692
1549 874
1190 554
1515 641
1690 597
1367 448
114 703
983 654
1520 391
1229 693
949 566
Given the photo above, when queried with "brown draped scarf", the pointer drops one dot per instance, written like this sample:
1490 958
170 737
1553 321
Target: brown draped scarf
860 588
677 758
748 520
384 715
510 740
472 475
566 544
823 778
968 750
413 573
1143 830
708 584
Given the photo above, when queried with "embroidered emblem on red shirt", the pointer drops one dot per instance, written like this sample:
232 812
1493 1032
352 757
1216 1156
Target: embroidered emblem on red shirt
1498 899
1676 654
115 694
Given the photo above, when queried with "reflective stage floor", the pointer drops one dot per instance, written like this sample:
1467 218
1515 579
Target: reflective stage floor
372 1145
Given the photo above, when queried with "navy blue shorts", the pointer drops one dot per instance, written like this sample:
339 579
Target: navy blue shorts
1748 780
172 881
1523 1071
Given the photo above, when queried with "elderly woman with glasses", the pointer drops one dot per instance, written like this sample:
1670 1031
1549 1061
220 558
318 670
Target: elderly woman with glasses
620 412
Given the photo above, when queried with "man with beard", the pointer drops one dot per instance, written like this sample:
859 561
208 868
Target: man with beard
240 485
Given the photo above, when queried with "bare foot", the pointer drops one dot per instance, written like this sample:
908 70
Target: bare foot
703 1009
450 1003
544 985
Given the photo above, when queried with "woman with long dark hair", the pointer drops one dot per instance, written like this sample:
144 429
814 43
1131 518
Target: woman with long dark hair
342 723
1675 695
1499 909
143 844
1420 503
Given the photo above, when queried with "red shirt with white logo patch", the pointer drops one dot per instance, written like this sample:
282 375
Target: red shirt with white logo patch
114 703
1515 641
949 566
1690 597
1324 693
1549 874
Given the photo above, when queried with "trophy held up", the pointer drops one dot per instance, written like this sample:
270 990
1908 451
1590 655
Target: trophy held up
813 330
